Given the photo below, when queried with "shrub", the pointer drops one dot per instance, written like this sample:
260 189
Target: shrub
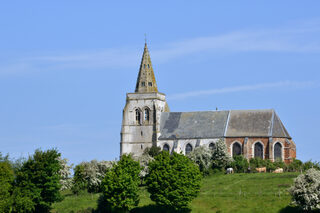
65 181
309 164
144 161
6 180
239 164
153 151
37 182
173 180
221 157
257 163
89 175
295 166
306 190
121 184
202 157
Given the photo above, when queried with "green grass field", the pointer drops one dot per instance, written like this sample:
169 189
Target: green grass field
219 193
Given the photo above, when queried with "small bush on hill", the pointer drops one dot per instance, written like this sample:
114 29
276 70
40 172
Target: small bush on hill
37 182
202 157
257 163
173 180
220 156
295 166
120 186
310 164
306 190
66 180
239 164
144 161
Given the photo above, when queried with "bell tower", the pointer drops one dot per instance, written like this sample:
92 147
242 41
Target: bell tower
141 114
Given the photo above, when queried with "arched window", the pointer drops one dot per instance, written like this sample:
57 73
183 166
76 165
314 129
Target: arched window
146 115
166 147
277 152
188 148
258 150
236 149
138 116
212 146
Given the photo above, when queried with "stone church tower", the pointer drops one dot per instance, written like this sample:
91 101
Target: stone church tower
141 114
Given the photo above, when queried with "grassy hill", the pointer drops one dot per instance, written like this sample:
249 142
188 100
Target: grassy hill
219 193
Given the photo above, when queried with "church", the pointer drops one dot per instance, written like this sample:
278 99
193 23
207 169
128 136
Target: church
147 121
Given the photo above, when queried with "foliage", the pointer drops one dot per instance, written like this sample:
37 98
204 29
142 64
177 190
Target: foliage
120 185
295 166
6 180
239 164
65 181
220 157
144 161
202 157
153 151
309 164
306 190
173 180
37 182
257 163
89 175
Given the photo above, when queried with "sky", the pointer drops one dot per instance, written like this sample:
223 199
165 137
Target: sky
66 66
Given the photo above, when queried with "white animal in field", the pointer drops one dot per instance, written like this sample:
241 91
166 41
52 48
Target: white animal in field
262 169
230 171
278 170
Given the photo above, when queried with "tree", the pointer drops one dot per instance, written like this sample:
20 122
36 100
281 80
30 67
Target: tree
220 157
6 181
202 157
153 151
37 182
89 175
65 181
173 180
306 190
121 184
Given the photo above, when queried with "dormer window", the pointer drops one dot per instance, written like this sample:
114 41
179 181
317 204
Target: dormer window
143 84
150 84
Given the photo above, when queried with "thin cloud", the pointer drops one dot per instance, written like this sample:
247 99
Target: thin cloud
281 84
303 37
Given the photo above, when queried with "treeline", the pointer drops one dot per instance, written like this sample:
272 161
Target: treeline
173 180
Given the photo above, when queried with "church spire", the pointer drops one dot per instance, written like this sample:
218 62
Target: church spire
146 81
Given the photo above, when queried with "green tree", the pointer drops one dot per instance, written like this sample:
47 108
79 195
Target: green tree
173 180
37 182
6 180
121 184
152 151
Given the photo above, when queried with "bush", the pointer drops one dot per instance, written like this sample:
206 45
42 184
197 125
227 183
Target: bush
6 180
295 166
202 157
120 185
220 157
173 180
89 175
309 164
144 161
65 181
239 164
153 151
257 163
37 182
306 190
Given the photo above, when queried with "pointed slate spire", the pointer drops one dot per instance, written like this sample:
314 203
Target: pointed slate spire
146 81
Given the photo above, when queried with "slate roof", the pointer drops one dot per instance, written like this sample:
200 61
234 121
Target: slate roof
217 124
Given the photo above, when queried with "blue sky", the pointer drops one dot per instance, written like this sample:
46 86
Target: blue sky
65 67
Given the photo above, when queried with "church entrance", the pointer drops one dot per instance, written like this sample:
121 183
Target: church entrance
236 149
258 150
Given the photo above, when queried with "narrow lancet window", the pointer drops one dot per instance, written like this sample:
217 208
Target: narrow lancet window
166 148
138 117
146 115
143 84
188 148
